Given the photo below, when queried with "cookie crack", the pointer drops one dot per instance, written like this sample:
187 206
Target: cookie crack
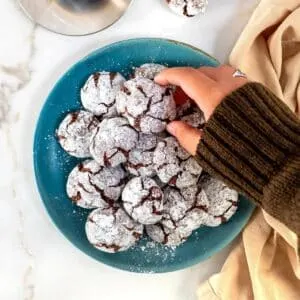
233 203
113 247
106 199
145 113
108 105
94 138
125 90
149 197
83 187
222 217
173 179
112 76
77 197
166 235
185 9
136 234
83 169
138 165
140 88
155 211
128 126
96 77
93 122
117 150
157 118
74 118
139 118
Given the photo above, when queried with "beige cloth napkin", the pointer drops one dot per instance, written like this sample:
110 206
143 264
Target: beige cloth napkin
265 265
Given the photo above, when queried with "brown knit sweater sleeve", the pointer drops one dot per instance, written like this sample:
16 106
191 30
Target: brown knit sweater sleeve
252 142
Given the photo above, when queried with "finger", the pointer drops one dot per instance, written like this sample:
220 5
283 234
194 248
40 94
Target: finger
211 72
187 136
183 77
218 73
195 84
223 74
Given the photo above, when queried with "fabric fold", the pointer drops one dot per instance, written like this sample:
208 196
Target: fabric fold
265 265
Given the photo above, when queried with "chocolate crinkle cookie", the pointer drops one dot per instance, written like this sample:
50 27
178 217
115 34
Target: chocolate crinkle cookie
112 142
194 117
90 185
223 201
182 214
174 165
143 200
75 133
147 105
198 203
98 95
189 113
187 8
149 70
112 230
140 159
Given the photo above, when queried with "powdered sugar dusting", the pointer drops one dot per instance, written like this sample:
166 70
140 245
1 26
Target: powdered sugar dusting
154 255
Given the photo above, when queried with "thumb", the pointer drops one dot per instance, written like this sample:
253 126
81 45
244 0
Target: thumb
187 136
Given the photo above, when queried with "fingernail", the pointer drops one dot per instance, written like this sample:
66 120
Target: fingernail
171 128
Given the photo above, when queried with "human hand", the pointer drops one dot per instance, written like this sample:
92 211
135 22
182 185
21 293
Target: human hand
207 86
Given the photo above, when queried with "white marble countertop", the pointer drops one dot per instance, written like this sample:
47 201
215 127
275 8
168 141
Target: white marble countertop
36 261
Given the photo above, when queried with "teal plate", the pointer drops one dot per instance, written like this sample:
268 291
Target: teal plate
52 165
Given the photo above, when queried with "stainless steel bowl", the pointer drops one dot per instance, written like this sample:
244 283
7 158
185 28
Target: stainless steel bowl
75 17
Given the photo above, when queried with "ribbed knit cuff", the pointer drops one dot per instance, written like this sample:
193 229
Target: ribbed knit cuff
252 142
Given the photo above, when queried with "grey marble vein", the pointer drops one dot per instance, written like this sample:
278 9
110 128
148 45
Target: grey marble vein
13 79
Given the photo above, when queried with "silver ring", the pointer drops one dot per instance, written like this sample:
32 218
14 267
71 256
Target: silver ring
239 73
